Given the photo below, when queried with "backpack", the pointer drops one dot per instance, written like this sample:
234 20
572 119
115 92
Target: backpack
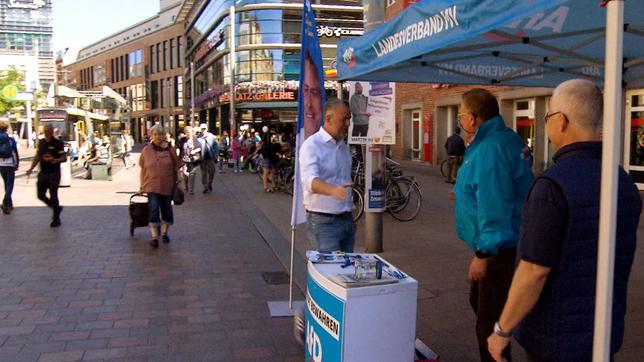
6 147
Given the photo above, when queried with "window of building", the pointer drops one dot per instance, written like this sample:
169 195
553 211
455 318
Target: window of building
135 60
524 116
127 67
99 75
158 65
178 91
162 94
154 94
112 70
165 55
171 54
122 67
152 59
179 52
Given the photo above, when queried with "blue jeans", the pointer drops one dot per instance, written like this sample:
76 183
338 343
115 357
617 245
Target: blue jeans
158 202
8 176
331 233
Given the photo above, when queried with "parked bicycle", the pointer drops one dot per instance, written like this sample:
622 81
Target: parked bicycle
403 195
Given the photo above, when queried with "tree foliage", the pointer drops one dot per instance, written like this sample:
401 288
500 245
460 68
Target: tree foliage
10 76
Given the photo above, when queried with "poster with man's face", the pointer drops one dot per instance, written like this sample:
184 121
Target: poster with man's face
373 118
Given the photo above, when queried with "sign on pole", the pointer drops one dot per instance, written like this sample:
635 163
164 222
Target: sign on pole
9 92
373 117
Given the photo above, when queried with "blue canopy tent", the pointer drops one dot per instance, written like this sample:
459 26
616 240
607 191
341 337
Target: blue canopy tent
533 43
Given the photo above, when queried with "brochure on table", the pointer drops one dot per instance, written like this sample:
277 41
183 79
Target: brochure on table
375 322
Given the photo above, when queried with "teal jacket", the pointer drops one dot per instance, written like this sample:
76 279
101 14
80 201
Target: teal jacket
491 187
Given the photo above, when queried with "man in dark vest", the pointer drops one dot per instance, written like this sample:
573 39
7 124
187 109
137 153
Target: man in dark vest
551 302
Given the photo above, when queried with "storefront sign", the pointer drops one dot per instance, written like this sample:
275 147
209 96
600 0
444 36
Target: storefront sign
336 31
324 324
373 119
208 44
261 97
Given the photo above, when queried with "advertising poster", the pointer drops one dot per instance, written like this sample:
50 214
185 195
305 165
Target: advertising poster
375 180
324 324
373 118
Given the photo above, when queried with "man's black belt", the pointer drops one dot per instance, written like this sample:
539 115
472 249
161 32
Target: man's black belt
343 215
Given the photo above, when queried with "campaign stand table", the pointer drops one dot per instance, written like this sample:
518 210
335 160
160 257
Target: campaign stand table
369 323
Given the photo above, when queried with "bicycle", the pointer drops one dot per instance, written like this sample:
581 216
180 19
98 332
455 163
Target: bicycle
403 195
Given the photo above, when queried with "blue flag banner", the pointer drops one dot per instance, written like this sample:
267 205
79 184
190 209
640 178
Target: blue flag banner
311 98
537 43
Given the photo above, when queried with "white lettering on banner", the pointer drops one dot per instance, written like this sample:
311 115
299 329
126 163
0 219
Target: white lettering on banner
554 20
313 344
432 25
26 4
494 71
323 318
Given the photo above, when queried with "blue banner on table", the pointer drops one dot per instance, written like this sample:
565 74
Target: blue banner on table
310 108
324 324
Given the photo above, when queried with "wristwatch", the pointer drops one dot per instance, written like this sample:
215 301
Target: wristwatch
499 332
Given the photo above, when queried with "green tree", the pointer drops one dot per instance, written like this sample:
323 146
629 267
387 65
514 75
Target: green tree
10 76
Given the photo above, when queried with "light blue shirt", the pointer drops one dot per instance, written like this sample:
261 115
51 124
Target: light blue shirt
321 156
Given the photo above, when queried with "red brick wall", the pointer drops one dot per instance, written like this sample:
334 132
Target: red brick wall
427 95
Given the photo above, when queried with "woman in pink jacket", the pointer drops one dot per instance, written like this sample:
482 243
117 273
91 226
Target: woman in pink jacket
236 147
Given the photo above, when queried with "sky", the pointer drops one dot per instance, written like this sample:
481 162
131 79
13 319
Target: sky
78 23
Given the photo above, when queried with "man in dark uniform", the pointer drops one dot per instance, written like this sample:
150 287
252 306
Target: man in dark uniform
50 154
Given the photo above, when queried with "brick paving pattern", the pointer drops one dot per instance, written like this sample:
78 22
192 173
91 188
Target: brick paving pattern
87 291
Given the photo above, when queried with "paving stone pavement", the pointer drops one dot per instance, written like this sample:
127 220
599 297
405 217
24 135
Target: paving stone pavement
428 249
89 291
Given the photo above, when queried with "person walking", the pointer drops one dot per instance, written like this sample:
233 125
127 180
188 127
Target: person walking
551 303
236 147
490 189
224 149
9 161
325 165
209 150
455 148
159 165
50 154
125 148
191 157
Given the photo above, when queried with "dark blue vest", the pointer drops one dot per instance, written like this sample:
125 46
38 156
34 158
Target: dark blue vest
560 326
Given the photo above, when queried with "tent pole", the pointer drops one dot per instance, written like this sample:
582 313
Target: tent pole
610 161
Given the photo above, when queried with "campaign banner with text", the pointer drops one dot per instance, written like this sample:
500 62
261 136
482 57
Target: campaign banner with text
373 113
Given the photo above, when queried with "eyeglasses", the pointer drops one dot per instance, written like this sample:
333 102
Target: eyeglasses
550 115
459 116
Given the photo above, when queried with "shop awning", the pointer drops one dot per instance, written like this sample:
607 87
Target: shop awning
82 113
538 43
265 105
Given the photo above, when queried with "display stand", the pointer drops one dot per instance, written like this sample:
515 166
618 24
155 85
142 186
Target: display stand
362 323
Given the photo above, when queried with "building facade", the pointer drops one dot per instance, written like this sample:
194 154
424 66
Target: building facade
26 28
144 64
263 79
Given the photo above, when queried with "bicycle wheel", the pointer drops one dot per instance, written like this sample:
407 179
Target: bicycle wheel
358 202
404 199
444 168
288 182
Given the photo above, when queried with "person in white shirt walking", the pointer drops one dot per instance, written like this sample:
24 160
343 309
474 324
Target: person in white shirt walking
325 165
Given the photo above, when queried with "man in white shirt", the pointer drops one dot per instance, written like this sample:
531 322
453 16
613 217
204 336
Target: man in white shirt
325 165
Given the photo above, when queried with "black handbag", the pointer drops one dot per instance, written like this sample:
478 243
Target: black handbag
178 197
